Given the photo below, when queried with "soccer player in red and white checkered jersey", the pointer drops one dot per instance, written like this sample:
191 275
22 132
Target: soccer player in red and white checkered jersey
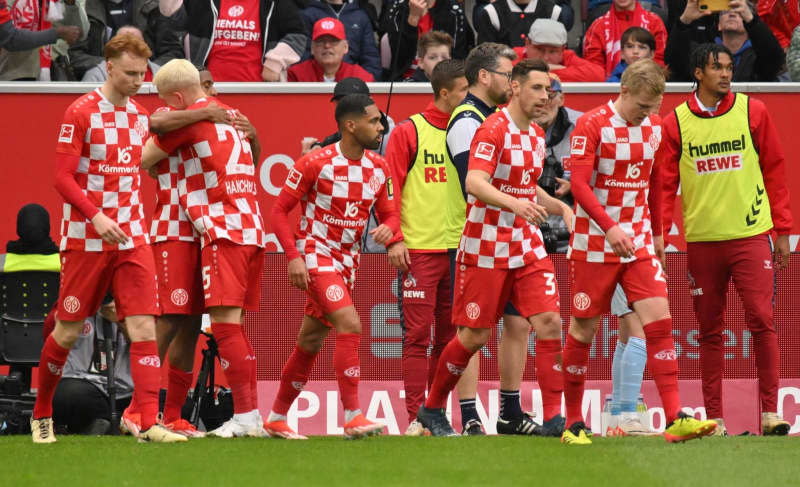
217 190
501 254
615 240
104 242
176 249
336 187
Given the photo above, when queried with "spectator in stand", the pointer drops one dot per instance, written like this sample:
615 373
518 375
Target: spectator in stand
104 22
602 42
362 48
567 13
781 17
404 21
81 404
793 56
596 9
547 40
757 55
637 43
509 21
240 40
24 28
328 48
99 73
433 48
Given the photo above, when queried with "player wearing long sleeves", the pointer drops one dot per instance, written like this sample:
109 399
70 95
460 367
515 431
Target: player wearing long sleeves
426 191
723 150
617 239
336 188
104 243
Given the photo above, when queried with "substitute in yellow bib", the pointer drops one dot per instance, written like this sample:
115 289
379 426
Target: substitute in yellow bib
428 195
34 250
723 150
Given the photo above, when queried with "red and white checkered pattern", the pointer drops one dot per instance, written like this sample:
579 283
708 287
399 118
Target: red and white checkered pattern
495 237
622 157
216 181
170 221
108 139
336 195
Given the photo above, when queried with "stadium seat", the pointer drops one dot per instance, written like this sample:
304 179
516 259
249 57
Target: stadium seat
27 297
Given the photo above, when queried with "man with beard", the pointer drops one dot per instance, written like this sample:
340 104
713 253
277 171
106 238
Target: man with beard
336 186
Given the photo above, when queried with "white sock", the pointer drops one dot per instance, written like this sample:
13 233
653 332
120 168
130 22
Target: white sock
349 415
273 416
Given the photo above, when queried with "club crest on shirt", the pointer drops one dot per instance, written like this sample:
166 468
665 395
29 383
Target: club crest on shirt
578 145
236 11
140 128
293 179
65 135
540 151
484 151
654 141
375 184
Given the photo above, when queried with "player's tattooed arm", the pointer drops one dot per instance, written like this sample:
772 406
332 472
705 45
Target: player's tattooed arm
164 121
151 154
555 206
478 185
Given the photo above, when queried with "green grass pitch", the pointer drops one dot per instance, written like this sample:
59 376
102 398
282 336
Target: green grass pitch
385 461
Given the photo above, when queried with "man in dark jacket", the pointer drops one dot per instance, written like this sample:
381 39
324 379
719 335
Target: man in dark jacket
13 39
509 21
757 55
405 20
107 16
360 37
281 34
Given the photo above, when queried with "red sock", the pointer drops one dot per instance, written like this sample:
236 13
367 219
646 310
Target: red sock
663 364
293 378
449 369
51 363
177 391
251 359
548 373
233 354
575 363
146 374
347 368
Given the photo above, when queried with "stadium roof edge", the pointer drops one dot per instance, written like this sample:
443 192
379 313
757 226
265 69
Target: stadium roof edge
295 88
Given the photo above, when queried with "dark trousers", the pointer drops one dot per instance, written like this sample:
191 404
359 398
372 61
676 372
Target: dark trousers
78 403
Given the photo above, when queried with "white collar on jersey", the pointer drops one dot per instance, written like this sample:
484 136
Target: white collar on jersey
705 108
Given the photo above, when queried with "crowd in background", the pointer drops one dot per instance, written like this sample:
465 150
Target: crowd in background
329 40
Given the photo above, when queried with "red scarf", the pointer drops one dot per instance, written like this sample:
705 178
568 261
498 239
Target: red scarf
614 24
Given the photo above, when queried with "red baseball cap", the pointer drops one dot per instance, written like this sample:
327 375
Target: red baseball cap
328 27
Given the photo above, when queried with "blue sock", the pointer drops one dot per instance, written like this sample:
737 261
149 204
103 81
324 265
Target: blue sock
633 361
509 405
616 377
468 411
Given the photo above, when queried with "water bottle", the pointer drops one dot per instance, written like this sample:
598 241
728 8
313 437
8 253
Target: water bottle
607 403
641 407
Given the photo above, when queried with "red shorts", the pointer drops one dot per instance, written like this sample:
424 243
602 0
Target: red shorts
180 285
327 293
232 274
86 278
481 294
593 284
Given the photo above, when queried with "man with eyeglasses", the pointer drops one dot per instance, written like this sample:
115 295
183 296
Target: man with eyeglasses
488 72
328 48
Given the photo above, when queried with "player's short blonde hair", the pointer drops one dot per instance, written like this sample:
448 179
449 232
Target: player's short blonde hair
644 76
176 75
